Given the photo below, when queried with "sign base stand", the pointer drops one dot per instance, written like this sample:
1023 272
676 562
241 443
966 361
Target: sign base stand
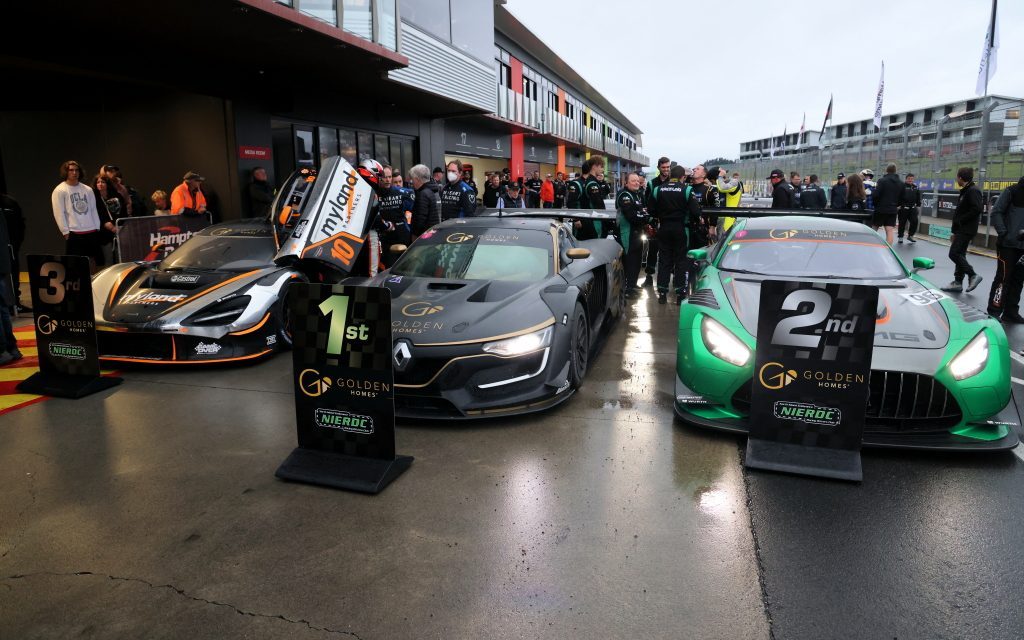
66 386
841 464
340 471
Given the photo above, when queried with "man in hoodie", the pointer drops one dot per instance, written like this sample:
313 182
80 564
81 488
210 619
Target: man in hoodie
1008 221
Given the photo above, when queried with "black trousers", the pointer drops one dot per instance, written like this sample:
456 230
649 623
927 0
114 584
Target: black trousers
908 218
958 254
634 257
1004 296
651 258
674 241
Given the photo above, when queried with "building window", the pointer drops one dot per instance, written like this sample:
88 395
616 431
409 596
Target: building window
553 100
433 16
927 116
347 145
504 75
358 18
970 105
863 128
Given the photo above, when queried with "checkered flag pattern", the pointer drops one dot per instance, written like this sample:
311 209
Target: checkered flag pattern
69 347
838 354
358 381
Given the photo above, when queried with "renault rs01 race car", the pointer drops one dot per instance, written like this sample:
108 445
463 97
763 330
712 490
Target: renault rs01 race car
499 315
940 370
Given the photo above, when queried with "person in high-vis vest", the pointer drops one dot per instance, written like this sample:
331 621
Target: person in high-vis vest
732 189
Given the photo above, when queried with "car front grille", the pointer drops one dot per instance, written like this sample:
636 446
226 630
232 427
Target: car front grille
898 402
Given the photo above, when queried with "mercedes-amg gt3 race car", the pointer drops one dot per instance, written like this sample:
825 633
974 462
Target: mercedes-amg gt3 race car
498 316
940 370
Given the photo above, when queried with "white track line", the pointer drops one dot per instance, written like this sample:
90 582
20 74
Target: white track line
1016 356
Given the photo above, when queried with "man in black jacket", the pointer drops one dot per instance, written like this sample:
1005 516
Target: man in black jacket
677 210
782 192
426 210
965 226
1008 221
632 219
813 196
492 189
887 202
837 198
15 220
650 197
910 210
559 187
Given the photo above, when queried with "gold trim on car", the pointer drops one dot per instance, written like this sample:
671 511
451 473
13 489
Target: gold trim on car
478 355
536 327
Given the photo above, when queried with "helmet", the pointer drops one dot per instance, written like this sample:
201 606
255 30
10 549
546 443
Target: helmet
867 172
371 171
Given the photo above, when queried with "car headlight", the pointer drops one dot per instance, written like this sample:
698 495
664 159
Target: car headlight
971 359
220 313
721 342
519 345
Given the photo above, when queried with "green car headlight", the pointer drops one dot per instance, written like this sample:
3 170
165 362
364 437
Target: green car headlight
723 343
971 359
519 345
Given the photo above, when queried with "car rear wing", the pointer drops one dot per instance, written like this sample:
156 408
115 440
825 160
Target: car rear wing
562 214
757 212
334 218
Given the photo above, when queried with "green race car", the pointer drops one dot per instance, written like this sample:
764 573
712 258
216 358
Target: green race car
940 370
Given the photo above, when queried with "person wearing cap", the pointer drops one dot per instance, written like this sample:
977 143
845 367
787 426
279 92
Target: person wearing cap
547 193
869 187
187 198
782 191
512 198
837 197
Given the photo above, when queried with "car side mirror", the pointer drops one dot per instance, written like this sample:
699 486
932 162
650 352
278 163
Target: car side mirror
922 263
398 248
697 254
577 253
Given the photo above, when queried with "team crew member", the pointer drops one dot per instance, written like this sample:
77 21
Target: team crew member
794 181
559 190
591 197
458 200
813 196
78 219
632 220
838 196
782 192
394 221
574 192
732 191
650 197
910 209
887 201
965 226
1008 221
677 210
533 186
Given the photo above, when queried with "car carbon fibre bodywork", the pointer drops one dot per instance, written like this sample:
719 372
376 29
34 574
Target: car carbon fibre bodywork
492 316
915 400
217 298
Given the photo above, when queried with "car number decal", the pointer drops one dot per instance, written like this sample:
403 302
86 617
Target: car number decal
924 298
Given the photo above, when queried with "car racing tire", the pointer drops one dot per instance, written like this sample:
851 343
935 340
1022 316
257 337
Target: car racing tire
579 346
283 317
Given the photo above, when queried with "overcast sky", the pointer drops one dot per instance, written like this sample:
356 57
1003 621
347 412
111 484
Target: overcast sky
699 81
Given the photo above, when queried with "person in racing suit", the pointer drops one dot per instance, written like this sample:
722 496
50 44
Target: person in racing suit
702 234
591 197
633 218
678 211
650 197
458 200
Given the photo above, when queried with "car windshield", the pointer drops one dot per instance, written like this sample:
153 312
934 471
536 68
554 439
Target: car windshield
515 255
221 253
810 253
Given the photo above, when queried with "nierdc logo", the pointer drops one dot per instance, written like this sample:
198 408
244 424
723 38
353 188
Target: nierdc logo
809 413
67 351
343 420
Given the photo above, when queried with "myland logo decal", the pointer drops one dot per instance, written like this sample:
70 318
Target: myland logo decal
350 422
774 375
809 413
67 351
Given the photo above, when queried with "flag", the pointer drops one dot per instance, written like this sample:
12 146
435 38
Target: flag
771 153
800 137
878 99
782 143
828 116
987 68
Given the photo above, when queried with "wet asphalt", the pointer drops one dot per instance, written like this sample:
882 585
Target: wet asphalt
152 511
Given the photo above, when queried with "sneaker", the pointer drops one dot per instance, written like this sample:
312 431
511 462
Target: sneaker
5 358
1013 318
910 239
16 355
20 309
662 298
632 292
649 282
953 287
973 282
899 241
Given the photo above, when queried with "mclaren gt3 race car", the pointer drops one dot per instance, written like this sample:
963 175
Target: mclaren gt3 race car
940 370
498 316
217 298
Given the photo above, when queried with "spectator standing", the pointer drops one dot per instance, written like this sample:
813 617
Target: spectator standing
492 190
782 191
547 193
533 186
467 177
677 210
438 177
8 343
869 188
512 199
632 220
856 197
910 209
887 202
965 225
1008 221
458 200
813 196
187 198
76 215
161 203
111 207
261 194
837 198
426 209
559 187
134 204
14 218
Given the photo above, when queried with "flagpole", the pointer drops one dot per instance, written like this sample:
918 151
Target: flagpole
990 45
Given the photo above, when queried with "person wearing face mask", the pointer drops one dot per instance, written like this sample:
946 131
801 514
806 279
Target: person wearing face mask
458 200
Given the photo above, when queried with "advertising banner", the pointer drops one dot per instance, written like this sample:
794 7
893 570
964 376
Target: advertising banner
811 378
344 388
62 308
155 237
